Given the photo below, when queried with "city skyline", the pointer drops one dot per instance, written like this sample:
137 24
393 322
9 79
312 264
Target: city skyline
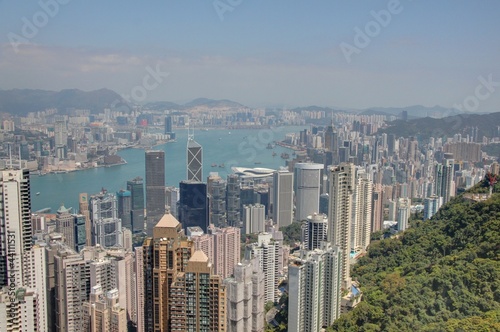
296 55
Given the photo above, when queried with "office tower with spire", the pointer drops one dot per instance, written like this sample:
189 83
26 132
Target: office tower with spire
307 189
342 186
314 289
194 160
282 198
155 188
136 188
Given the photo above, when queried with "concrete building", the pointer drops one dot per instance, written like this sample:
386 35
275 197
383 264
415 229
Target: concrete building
342 186
307 189
103 312
282 198
216 188
362 218
404 205
314 289
65 224
140 288
314 231
155 188
431 206
233 200
254 218
245 298
226 250
106 226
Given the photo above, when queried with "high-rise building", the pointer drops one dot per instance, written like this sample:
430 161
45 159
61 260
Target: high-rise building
140 288
83 209
314 231
216 188
245 298
431 206
35 282
307 189
125 207
80 231
106 226
226 250
267 250
314 289
377 208
193 205
254 218
282 198
169 126
155 188
136 188
172 200
60 137
342 186
194 160
233 200
443 177
103 312
15 225
403 214
362 218
65 224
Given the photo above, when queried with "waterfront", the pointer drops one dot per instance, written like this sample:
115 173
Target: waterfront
227 148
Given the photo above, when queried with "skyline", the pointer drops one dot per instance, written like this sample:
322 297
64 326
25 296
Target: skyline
257 53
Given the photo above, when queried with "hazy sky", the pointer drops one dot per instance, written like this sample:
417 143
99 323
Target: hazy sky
279 52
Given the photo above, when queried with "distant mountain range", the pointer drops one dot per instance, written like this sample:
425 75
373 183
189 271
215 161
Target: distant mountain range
23 101
424 128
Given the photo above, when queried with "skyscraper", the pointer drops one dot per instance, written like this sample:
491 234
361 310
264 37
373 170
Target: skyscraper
362 221
193 205
253 218
136 188
226 250
314 289
155 188
83 209
216 188
282 198
233 200
65 224
315 231
60 137
307 189
194 160
125 207
342 187
106 226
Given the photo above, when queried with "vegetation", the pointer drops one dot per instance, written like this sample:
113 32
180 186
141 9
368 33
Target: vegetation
492 149
440 275
292 233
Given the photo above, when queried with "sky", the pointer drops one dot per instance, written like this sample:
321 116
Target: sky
281 53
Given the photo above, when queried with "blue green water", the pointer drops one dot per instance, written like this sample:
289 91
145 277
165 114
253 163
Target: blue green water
242 147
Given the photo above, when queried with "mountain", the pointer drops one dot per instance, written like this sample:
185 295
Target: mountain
212 103
429 127
163 105
442 274
23 101
416 111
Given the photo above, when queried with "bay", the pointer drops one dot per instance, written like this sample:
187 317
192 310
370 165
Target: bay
227 148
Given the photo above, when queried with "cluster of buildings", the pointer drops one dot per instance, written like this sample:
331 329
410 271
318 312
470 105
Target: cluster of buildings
208 255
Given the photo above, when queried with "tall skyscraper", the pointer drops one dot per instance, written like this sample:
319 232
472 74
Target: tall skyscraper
216 188
125 207
362 221
254 218
307 178
314 289
65 224
172 200
245 298
83 209
342 186
169 127
226 250
403 213
377 208
60 137
194 160
314 231
233 200
193 205
140 288
15 226
431 206
155 188
282 198
106 226
136 188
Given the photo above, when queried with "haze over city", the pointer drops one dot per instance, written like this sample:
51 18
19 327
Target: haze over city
258 53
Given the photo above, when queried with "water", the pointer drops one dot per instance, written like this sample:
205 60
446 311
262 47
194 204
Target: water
243 147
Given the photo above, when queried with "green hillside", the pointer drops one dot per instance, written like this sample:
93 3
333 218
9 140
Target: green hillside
440 275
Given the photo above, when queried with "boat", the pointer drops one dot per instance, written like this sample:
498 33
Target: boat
274 153
285 155
257 162
269 146
222 166
214 165
38 193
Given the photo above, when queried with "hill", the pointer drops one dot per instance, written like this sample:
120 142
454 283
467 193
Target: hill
23 101
440 275
448 126
415 111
